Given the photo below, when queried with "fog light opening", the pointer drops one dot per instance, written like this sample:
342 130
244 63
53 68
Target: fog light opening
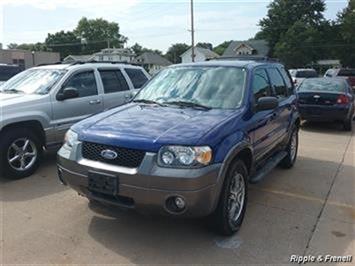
176 204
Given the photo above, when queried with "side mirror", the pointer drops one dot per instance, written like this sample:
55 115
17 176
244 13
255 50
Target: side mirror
267 103
68 93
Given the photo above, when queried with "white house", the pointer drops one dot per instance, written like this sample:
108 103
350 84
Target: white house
115 55
78 58
201 54
247 48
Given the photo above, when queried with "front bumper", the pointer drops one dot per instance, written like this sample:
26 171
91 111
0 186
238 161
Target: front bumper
146 188
324 113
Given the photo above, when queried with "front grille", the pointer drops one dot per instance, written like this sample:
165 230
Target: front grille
125 157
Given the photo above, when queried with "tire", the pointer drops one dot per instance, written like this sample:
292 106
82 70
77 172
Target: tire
23 145
348 125
221 220
291 149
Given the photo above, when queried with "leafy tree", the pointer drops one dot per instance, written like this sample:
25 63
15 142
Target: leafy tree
12 46
138 50
219 49
295 46
98 34
205 45
346 25
65 43
283 14
174 52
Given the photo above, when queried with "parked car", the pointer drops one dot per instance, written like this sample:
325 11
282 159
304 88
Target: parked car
299 75
326 99
8 71
189 142
348 73
40 104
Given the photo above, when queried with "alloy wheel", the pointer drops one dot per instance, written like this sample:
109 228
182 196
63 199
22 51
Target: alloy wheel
22 154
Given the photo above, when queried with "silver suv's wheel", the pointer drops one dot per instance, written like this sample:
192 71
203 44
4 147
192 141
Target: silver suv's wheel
20 152
230 211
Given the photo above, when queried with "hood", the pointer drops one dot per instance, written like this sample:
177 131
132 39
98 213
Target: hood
13 99
148 127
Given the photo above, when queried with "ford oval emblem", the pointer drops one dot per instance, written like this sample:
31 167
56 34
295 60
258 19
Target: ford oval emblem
109 155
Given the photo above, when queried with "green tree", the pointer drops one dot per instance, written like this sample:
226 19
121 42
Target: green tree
205 45
283 14
346 26
12 46
295 46
97 34
174 52
138 50
65 43
219 49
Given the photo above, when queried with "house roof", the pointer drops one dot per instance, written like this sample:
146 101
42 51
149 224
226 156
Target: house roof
78 58
261 46
206 52
153 59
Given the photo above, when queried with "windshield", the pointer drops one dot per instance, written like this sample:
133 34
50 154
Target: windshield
323 85
306 74
213 87
38 81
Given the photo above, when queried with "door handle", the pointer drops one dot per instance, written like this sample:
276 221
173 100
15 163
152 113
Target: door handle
95 102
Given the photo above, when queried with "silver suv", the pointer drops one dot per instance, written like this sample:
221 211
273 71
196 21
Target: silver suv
39 105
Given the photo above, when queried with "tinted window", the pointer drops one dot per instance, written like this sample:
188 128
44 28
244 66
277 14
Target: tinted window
323 85
261 85
278 83
306 74
84 82
347 72
137 77
113 81
287 80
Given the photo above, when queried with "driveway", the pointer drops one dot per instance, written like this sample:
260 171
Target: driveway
308 210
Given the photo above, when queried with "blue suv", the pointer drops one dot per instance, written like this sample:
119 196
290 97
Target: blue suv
189 142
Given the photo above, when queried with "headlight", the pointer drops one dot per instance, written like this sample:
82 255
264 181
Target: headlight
70 138
184 157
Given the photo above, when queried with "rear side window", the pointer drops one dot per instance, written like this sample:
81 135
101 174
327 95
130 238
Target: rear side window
113 81
84 82
137 77
278 83
261 85
306 74
287 80
347 72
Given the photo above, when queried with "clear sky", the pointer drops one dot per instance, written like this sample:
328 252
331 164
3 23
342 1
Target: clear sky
154 24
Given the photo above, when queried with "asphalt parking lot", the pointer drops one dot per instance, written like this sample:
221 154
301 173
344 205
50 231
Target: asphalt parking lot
307 210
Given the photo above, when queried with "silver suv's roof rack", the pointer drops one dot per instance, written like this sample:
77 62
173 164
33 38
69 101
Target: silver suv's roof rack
102 62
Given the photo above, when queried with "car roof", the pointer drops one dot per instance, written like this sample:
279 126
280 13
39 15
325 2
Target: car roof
92 65
249 64
340 79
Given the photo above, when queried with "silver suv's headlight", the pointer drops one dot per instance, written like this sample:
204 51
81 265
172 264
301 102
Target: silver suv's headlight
70 138
184 156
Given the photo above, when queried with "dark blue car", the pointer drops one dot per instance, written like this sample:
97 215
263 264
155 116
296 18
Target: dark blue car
189 143
327 99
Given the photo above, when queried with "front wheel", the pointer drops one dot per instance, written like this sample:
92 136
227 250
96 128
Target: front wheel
291 149
20 153
230 211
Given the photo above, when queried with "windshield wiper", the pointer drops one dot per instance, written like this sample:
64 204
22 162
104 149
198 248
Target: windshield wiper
147 102
13 91
189 104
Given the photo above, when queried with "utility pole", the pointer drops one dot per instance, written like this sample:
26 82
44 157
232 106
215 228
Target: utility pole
192 32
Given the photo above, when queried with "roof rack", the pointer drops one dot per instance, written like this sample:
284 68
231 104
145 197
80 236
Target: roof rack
248 58
103 62
48 64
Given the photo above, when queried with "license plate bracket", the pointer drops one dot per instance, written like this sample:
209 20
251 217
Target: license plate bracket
103 183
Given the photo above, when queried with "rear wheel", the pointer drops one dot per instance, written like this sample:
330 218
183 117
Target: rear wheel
230 211
291 149
348 125
20 153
